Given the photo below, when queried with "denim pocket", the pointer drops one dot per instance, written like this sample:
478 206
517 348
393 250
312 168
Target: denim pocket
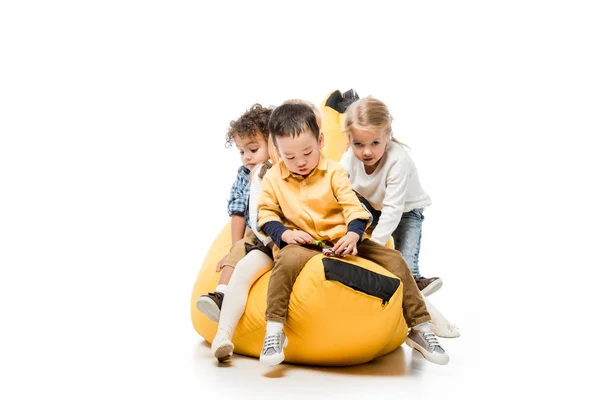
417 213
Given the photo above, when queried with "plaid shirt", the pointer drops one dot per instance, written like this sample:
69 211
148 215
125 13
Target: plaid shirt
240 194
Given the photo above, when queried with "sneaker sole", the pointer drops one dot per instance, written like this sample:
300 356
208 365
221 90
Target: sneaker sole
275 359
209 308
224 352
441 360
445 332
432 288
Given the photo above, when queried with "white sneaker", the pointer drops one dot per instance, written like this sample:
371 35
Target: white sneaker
445 331
222 349
272 351
427 344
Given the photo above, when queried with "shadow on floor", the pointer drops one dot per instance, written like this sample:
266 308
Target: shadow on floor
392 364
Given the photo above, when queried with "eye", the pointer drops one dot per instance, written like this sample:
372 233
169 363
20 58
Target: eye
358 144
290 158
254 150
308 154
375 143
242 152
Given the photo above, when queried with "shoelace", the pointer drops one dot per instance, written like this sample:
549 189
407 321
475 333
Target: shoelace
431 339
272 341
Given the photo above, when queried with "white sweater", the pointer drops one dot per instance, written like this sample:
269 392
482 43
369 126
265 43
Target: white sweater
255 186
393 188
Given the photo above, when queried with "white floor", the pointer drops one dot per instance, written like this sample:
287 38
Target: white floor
399 373
132 338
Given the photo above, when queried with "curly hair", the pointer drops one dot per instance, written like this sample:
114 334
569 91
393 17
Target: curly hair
254 121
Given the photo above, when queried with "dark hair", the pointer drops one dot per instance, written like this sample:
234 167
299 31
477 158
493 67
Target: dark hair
290 120
253 121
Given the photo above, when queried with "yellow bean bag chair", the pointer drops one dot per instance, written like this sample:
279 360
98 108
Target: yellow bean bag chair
341 312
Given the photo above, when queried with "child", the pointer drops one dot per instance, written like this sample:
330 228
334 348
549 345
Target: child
250 135
258 261
306 197
252 266
387 181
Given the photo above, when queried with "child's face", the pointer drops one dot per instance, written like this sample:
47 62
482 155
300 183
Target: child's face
368 145
300 154
253 149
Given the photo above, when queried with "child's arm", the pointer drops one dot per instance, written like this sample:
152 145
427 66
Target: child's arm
393 204
346 197
238 201
355 215
255 189
270 218
238 227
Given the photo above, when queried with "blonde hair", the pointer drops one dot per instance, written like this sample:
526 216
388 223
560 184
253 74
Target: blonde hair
311 105
371 114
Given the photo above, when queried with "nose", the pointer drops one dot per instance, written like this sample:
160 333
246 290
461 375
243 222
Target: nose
367 152
247 156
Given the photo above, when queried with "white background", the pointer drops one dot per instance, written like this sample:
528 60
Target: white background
114 179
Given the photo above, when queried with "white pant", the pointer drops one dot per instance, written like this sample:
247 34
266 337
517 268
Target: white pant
247 271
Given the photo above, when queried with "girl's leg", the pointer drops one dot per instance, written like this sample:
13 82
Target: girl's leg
210 303
407 239
439 324
247 271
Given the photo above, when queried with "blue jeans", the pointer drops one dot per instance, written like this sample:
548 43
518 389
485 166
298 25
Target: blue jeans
407 235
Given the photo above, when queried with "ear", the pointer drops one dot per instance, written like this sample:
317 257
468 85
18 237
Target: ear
321 140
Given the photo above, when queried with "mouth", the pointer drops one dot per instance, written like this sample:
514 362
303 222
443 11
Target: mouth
250 166
302 169
367 160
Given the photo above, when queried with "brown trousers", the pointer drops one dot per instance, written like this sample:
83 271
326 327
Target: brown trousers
290 260
244 246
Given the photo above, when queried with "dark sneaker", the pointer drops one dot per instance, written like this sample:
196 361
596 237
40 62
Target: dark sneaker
340 102
272 351
427 344
210 305
429 286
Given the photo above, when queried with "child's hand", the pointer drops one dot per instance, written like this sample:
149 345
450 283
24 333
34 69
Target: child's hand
346 245
296 237
220 263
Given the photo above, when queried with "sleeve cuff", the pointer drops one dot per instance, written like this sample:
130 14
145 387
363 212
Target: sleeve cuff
275 229
358 226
